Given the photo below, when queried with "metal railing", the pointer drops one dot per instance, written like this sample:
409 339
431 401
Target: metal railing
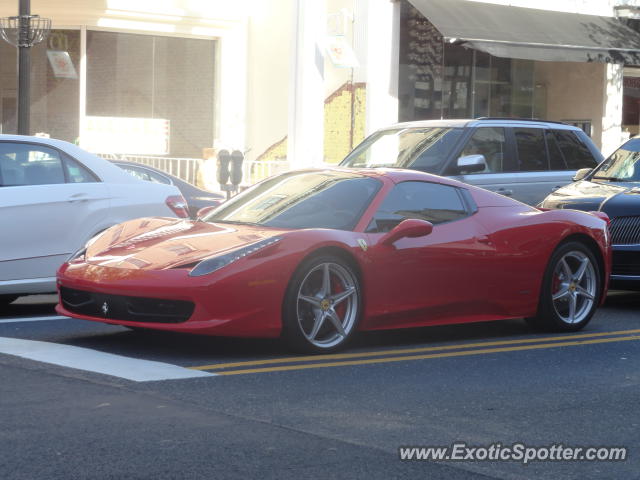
256 171
185 168
188 169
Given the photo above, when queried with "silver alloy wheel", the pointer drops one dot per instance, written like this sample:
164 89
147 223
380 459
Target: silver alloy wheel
327 304
573 287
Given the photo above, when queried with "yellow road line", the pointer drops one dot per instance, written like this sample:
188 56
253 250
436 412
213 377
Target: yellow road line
336 356
424 357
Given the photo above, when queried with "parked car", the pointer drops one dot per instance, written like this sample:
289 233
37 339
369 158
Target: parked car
522 159
612 187
196 198
316 255
55 196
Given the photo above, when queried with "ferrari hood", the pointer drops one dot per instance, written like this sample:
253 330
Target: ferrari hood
160 243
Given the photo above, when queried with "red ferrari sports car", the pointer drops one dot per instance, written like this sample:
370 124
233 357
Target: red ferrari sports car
316 255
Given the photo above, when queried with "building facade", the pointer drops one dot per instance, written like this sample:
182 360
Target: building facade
306 80
134 76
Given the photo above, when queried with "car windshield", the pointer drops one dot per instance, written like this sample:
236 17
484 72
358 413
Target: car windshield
418 148
622 165
319 199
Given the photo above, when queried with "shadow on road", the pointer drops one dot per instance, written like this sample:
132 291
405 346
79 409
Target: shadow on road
30 306
195 349
623 299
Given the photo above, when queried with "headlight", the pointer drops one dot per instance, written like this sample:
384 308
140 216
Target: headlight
212 264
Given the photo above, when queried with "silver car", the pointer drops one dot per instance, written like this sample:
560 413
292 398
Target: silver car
523 159
54 197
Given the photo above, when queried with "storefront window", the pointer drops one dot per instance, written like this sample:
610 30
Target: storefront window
446 80
146 78
54 87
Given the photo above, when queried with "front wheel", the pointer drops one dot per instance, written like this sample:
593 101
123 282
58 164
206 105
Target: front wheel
322 305
570 291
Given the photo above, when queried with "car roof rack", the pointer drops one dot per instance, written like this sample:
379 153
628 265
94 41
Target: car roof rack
521 119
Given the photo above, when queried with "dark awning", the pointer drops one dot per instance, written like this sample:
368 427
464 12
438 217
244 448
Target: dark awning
533 34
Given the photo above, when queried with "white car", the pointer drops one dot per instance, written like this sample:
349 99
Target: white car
54 197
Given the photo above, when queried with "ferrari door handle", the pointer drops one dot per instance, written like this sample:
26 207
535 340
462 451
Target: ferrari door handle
504 191
483 239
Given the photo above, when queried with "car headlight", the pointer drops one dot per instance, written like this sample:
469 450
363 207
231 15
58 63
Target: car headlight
212 264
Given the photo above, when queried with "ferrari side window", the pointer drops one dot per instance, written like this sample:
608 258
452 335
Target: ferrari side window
433 202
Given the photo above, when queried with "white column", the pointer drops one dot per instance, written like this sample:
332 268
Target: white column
82 91
383 22
232 91
305 145
612 109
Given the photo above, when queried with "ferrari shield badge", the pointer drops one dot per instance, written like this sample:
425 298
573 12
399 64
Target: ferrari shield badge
363 244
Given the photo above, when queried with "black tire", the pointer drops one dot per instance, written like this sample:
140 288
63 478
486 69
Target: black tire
576 286
312 318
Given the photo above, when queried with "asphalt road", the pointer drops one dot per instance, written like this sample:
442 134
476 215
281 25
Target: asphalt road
232 408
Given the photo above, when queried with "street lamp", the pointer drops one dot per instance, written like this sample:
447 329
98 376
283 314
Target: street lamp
23 32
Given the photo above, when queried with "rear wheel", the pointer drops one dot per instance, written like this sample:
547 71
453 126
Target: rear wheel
322 305
570 290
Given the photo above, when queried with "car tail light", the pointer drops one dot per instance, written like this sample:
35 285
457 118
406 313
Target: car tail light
178 205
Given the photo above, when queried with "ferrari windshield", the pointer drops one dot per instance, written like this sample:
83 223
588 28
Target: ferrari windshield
622 165
318 199
423 149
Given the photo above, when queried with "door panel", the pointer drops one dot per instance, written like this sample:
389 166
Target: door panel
436 278
527 187
522 248
48 223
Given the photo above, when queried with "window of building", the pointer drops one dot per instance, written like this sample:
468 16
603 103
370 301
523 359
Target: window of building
439 79
154 77
54 86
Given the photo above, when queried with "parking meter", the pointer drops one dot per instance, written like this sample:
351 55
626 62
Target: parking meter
236 167
222 174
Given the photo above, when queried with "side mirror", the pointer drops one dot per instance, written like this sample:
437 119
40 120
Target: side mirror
471 163
206 210
580 174
409 228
